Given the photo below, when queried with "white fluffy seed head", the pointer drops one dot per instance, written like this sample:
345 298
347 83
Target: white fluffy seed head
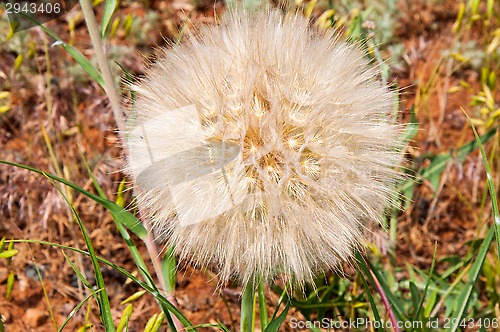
262 147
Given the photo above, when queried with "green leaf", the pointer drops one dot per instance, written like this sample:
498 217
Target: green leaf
109 9
125 318
9 253
154 323
133 297
96 184
276 323
169 269
430 304
415 295
222 326
419 305
491 187
2 243
465 297
433 174
10 285
150 323
264 319
218 325
103 300
247 312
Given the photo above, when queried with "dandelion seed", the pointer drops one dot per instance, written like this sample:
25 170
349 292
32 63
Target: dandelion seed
262 147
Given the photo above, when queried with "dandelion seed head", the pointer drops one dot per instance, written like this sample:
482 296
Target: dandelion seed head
262 147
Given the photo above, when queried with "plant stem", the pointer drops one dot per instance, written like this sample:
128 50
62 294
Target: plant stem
384 298
110 88
247 302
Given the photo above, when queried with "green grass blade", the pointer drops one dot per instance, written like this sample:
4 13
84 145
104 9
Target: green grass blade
75 310
461 153
396 306
475 270
10 285
430 304
181 33
428 282
119 225
134 297
264 319
276 323
170 321
77 55
127 218
169 269
125 318
464 298
415 294
213 325
440 161
77 271
150 323
152 290
284 296
247 322
162 305
103 300
373 305
223 327
9 253
131 246
491 187
109 9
